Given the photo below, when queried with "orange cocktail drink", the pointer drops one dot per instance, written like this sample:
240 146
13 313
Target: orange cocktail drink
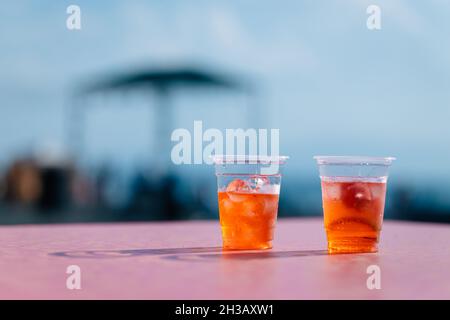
248 192
247 217
353 214
353 199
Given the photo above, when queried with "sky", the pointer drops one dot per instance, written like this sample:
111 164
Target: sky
327 82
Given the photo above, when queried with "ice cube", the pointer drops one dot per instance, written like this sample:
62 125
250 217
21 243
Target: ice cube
238 185
227 205
236 197
271 206
333 191
377 190
253 207
260 184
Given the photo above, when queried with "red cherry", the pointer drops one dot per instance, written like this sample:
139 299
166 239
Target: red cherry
356 194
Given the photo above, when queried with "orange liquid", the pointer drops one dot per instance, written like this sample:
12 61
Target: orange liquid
353 214
247 219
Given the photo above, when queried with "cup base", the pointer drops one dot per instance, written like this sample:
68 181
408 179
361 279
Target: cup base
352 245
227 246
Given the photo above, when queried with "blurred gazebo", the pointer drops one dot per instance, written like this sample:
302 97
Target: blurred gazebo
161 83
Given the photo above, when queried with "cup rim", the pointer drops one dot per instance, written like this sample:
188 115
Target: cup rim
247 159
354 160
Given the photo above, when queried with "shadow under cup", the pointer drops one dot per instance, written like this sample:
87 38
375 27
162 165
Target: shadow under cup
248 191
353 198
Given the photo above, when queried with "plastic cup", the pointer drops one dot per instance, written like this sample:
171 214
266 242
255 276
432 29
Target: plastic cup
353 198
248 192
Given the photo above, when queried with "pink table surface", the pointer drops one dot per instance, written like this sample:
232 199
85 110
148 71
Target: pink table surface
183 260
